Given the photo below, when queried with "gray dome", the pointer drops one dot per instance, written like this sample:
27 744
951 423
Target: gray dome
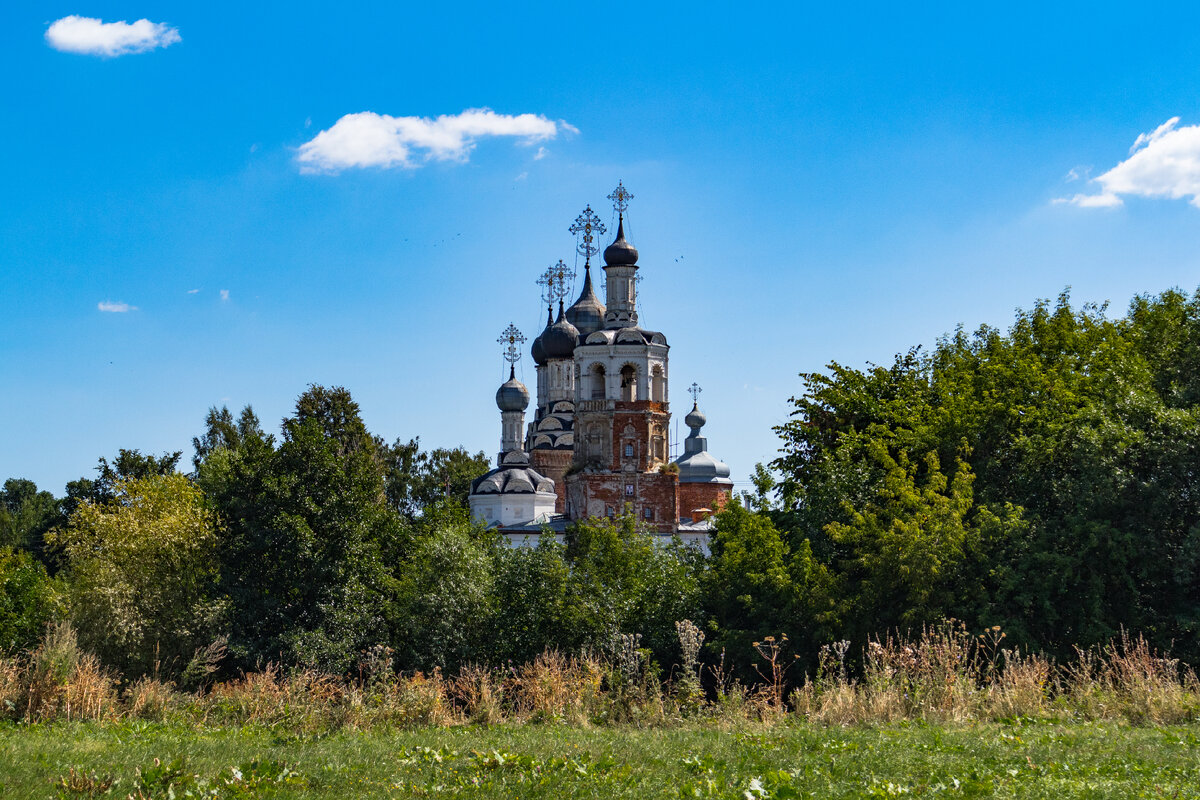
512 394
514 476
587 314
559 340
538 349
700 467
696 465
620 253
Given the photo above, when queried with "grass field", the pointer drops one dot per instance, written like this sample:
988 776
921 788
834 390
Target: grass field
1026 760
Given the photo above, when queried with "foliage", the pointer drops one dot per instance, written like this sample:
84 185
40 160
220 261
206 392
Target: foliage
142 570
444 600
26 515
623 581
1070 508
417 479
757 586
28 599
222 432
308 535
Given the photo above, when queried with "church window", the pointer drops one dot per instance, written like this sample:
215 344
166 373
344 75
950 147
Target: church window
658 385
628 383
629 451
629 490
597 382
608 512
648 513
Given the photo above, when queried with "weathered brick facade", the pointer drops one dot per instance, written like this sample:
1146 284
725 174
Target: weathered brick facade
651 496
554 465
695 496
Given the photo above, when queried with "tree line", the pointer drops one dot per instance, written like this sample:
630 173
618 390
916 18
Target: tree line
1041 479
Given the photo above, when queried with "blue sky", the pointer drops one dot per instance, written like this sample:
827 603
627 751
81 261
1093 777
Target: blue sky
811 184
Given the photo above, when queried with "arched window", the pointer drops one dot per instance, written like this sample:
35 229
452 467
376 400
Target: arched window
628 383
597 376
658 385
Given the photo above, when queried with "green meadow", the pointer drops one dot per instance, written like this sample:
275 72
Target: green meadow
785 760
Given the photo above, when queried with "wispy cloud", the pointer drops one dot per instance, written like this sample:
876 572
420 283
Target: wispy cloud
115 308
192 291
224 295
1162 163
90 36
540 154
367 139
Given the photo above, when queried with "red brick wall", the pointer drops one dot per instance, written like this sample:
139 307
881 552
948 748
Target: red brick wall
693 496
633 422
553 464
593 494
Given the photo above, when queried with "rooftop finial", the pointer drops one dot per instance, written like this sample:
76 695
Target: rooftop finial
546 281
694 390
587 227
512 339
620 199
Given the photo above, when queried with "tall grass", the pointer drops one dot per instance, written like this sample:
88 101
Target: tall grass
943 674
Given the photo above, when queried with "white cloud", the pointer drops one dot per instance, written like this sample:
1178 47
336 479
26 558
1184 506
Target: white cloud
224 295
1102 200
367 139
1163 163
192 291
75 34
1149 138
540 154
115 308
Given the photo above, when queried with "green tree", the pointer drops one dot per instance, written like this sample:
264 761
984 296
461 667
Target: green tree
417 479
28 600
532 603
308 536
141 572
625 580
1074 510
222 431
26 516
757 586
444 600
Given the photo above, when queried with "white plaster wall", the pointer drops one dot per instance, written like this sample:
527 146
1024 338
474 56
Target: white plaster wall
512 509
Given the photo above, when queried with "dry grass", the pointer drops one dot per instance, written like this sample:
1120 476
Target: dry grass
945 674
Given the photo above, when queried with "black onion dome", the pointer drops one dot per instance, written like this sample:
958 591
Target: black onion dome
512 394
559 339
587 314
538 349
620 253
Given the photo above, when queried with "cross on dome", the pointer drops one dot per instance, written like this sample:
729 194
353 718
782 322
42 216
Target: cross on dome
694 390
587 227
620 199
512 339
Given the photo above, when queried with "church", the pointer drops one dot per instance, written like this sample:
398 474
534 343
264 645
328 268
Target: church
598 443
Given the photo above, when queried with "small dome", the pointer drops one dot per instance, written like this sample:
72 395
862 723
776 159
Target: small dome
620 253
695 419
538 349
512 394
559 339
512 479
587 313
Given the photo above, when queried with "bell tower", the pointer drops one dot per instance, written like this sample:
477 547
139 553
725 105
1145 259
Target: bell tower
621 397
